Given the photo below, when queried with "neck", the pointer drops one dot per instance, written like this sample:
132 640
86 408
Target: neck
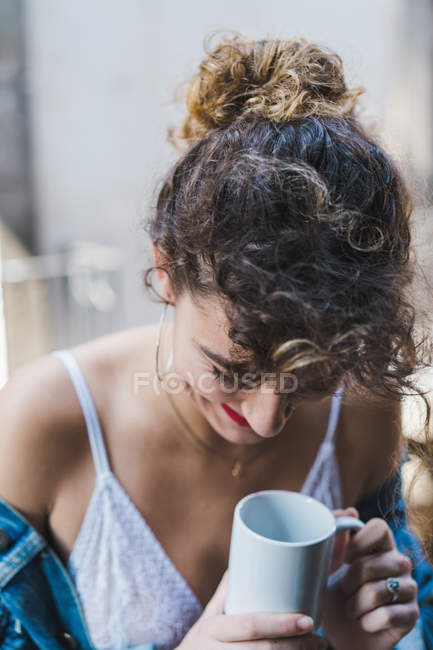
196 426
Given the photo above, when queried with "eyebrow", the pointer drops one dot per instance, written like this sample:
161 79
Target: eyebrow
228 364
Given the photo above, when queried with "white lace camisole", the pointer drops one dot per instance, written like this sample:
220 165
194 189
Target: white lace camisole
132 594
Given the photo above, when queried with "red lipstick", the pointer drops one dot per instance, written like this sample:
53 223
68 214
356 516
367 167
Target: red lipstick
235 416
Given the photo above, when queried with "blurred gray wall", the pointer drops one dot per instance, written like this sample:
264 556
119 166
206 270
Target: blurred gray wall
15 179
101 77
409 109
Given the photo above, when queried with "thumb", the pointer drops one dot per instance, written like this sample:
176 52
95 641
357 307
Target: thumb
216 604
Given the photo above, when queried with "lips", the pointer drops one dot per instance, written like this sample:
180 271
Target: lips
235 416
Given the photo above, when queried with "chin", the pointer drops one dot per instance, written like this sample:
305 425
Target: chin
237 435
246 437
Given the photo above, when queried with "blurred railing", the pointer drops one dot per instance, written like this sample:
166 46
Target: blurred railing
59 300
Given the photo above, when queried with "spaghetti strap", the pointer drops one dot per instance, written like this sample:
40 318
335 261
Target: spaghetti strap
327 448
84 395
334 415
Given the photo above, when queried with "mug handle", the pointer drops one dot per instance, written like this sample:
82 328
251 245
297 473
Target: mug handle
348 523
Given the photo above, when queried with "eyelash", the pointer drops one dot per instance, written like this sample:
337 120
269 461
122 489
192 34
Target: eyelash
219 374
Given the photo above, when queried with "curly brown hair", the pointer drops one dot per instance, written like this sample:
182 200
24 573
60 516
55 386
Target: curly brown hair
284 207
278 80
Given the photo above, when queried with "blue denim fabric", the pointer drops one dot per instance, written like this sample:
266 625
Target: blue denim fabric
39 607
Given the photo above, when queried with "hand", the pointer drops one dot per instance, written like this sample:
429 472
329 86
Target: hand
358 611
215 630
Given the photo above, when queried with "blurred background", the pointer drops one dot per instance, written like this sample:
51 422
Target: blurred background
86 98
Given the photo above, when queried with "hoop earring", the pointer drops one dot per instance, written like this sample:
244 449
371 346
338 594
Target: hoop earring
158 340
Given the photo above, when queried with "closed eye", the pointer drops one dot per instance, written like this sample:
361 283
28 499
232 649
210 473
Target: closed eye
252 382
219 374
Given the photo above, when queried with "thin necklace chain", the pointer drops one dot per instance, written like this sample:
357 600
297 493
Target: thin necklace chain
238 463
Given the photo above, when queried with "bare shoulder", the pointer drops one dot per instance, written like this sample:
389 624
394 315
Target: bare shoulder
372 439
109 354
43 437
38 414
119 369
110 365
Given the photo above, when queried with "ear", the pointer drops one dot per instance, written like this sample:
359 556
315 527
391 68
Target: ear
165 287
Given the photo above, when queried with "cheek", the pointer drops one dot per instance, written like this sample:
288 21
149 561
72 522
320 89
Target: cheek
214 389
198 377
207 386
204 384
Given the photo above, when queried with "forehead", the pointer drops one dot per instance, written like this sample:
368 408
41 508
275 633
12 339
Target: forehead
207 325
202 313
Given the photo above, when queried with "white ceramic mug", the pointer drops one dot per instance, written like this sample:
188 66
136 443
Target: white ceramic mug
280 553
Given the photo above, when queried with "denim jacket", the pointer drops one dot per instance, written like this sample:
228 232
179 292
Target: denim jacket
40 608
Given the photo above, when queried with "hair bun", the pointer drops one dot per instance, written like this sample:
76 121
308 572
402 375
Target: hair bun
276 79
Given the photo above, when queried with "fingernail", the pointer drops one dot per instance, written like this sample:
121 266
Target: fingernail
304 623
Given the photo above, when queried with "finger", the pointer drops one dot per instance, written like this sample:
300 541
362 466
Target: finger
216 604
375 537
373 568
309 642
375 594
257 625
347 512
392 616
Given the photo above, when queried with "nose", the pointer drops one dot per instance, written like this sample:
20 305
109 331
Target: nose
266 411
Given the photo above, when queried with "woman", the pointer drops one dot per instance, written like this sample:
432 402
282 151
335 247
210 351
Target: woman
281 238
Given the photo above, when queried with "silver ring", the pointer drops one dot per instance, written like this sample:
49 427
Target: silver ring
393 586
